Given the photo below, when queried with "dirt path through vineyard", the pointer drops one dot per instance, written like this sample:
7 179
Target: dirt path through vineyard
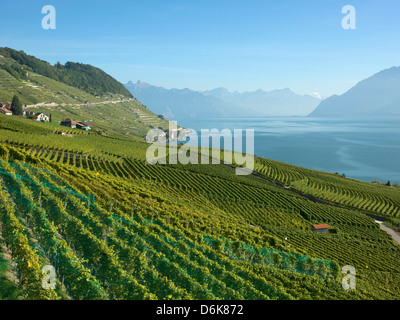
395 235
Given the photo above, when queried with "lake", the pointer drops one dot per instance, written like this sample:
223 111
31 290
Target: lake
366 150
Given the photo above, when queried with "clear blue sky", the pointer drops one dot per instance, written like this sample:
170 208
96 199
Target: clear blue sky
240 45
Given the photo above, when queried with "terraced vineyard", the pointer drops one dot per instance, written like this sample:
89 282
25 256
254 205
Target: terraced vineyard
368 197
139 231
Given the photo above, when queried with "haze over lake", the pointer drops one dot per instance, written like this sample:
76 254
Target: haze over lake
366 150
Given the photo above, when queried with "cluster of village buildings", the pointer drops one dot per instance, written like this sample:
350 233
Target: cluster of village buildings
5 108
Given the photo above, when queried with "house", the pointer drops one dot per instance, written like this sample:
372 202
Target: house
25 112
5 111
324 228
42 117
29 113
6 105
68 123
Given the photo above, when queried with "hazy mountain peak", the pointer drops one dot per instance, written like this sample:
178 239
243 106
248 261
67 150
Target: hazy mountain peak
138 84
317 95
377 95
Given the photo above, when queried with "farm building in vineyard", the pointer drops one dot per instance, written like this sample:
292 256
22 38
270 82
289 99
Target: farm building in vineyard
324 228
84 126
76 124
68 123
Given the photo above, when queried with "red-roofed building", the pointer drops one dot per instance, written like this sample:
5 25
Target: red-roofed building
7 105
5 111
321 228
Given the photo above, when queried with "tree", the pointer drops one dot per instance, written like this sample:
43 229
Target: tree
16 106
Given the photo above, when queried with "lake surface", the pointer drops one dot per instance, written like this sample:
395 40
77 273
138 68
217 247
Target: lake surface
366 150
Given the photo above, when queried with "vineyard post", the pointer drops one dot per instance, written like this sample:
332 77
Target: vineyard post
194 222
152 214
251 258
40 198
105 236
132 211
187 222
111 205
168 216
212 223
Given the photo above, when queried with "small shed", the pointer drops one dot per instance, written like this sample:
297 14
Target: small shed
324 228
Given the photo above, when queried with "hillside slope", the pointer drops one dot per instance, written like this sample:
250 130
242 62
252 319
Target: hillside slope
70 94
82 76
376 96
151 228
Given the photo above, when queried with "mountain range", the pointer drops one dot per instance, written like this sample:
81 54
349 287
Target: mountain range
180 104
376 96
